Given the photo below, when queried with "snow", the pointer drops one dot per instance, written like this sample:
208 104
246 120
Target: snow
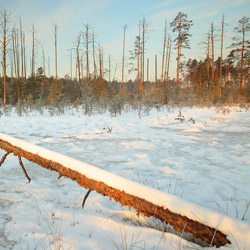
201 169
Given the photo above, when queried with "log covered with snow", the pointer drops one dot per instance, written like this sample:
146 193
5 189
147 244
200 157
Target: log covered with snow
185 217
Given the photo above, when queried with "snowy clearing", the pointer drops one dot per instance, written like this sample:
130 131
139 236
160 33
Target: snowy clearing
204 160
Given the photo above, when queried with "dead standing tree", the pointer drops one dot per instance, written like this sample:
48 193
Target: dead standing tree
16 58
163 54
212 48
123 54
93 48
181 25
4 19
55 36
86 41
33 32
22 47
145 29
221 52
78 66
167 64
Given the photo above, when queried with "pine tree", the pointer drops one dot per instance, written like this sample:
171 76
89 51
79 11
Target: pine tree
181 25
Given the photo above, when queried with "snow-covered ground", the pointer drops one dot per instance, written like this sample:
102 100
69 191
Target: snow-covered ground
204 159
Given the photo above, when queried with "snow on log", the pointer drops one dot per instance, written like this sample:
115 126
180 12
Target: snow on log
203 224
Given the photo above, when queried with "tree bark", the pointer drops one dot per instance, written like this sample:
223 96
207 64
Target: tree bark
123 54
221 53
212 44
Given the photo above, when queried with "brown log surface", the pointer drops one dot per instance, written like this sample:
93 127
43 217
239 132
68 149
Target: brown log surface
180 223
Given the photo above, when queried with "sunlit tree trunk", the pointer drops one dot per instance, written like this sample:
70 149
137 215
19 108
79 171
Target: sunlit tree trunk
147 73
71 65
208 58
55 35
138 59
109 69
163 72
33 52
78 60
86 41
5 17
169 56
123 54
93 47
156 73
221 53
82 65
21 42
49 66
44 70
24 57
212 44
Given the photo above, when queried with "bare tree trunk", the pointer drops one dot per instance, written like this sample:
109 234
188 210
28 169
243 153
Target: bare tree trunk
17 53
86 40
156 72
208 63
14 50
212 44
147 73
163 55
21 41
166 64
49 66
78 60
55 35
43 62
18 65
11 68
221 53
82 66
5 17
138 59
123 53
178 55
24 57
242 61
76 73
109 69
100 61
115 71
93 47
144 30
33 52
169 55
71 65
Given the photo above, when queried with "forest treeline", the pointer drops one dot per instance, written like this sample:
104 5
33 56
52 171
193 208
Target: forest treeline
208 81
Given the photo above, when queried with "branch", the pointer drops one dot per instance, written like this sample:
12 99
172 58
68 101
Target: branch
21 164
3 158
85 198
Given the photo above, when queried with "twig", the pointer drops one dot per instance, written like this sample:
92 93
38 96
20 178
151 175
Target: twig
247 206
59 177
110 130
3 158
21 164
215 231
85 198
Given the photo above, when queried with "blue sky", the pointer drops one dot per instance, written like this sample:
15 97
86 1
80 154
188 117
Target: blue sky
108 17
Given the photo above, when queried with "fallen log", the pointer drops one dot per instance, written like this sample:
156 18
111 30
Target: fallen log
145 200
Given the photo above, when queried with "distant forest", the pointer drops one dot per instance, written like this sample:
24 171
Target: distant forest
208 81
